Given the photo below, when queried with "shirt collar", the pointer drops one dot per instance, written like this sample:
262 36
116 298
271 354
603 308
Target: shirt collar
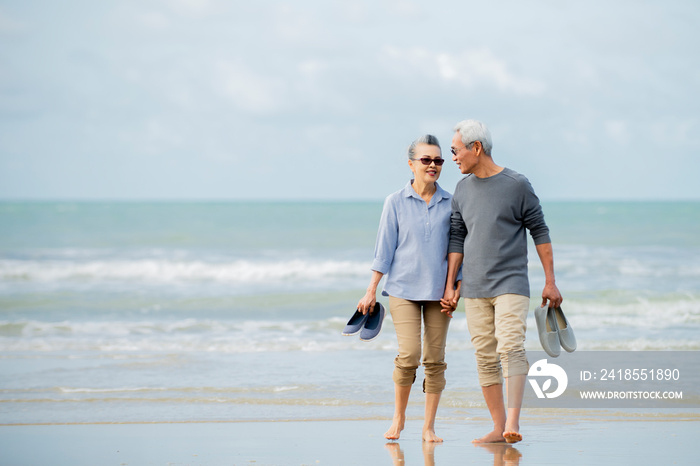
439 195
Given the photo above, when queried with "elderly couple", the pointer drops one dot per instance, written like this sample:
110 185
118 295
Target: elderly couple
424 236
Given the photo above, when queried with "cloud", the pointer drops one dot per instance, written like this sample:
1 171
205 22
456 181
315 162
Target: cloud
9 25
153 20
473 69
188 7
292 25
160 136
618 131
202 82
406 9
248 89
481 68
676 132
327 140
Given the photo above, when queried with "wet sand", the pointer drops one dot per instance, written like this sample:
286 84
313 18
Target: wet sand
650 439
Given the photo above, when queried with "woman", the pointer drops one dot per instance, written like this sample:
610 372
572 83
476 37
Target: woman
411 249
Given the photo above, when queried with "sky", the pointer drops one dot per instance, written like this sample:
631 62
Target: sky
318 100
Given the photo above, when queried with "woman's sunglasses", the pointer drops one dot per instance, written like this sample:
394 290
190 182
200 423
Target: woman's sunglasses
428 161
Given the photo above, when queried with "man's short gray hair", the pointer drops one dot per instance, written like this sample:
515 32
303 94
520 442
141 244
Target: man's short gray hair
427 139
471 131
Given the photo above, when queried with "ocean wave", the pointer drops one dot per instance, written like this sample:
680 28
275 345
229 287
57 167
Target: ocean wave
187 335
636 326
639 344
117 346
190 326
659 313
642 269
166 270
573 262
183 390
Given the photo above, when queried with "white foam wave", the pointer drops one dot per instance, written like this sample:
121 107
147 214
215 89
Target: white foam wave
109 390
188 335
117 346
615 265
163 270
642 314
635 326
638 344
193 327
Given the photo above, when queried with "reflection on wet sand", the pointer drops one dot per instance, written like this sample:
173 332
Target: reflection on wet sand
397 455
503 453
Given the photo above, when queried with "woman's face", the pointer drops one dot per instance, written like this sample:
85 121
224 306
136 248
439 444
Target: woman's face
426 173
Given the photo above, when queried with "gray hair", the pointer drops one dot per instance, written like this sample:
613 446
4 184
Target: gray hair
427 139
472 131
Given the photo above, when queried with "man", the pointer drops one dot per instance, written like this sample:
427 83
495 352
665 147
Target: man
491 208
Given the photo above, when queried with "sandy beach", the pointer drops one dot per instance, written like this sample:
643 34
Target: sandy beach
604 440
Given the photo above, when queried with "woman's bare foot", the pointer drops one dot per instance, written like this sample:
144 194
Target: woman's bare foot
491 437
394 431
429 436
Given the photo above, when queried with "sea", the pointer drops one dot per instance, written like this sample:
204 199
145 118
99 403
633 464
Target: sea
138 312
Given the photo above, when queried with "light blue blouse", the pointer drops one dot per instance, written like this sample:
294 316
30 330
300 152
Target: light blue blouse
412 242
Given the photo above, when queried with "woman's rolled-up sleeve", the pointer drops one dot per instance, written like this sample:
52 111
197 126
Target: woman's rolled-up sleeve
387 238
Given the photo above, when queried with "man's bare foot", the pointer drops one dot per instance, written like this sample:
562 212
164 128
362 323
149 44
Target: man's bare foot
394 431
491 437
512 432
429 436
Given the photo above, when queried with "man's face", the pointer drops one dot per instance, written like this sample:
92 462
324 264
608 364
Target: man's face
465 159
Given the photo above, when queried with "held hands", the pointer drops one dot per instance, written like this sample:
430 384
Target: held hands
450 299
551 294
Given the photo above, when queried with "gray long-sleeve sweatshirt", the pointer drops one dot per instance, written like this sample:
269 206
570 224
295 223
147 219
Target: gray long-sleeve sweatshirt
489 218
